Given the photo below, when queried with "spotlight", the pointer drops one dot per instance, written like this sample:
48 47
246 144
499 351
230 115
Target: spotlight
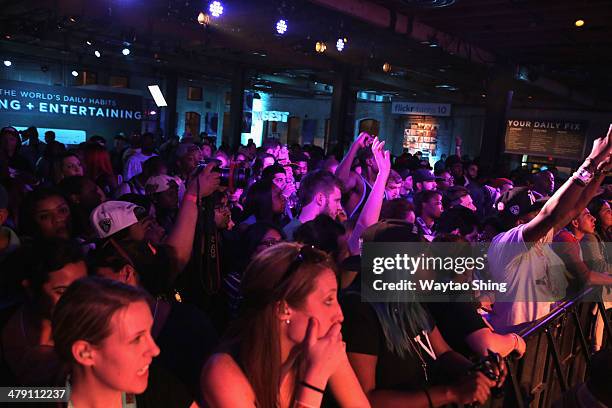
386 67
320 47
157 95
281 27
97 54
125 51
7 63
88 42
215 8
153 112
75 73
579 23
203 18
340 44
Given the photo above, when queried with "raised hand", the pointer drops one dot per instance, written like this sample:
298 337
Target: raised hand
363 140
382 157
209 181
602 148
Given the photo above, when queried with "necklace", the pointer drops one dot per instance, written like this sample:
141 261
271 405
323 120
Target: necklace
421 358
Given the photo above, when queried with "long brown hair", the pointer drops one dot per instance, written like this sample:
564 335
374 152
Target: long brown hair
255 337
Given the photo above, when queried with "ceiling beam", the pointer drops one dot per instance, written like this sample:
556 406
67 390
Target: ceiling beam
384 17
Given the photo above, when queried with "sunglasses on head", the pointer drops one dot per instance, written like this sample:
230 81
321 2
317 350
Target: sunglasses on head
307 254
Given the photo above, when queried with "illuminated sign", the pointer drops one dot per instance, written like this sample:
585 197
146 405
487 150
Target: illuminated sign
418 108
272 116
96 112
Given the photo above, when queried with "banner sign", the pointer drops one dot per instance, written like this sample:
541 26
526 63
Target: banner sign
418 108
96 112
551 138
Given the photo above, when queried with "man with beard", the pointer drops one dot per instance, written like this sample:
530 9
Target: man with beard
319 193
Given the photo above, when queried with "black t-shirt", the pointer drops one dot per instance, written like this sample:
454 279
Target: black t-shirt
164 389
363 334
186 341
456 321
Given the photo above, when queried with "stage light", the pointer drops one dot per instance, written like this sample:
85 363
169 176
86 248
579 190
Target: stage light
157 95
153 112
125 51
97 54
203 18
281 27
75 74
7 63
386 67
215 8
88 42
320 47
340 44
579 23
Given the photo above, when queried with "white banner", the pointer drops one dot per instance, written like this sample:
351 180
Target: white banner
419 108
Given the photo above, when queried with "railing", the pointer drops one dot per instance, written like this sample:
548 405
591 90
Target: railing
558 353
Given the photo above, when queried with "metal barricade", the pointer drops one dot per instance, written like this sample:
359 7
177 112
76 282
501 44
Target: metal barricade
559 348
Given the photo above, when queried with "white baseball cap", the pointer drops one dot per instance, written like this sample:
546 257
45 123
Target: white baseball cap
161 183
112 216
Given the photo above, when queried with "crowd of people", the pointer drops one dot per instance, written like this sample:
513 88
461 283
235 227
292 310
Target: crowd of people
175 273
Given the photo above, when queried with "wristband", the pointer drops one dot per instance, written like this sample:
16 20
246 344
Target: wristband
583 176
312 387
191 197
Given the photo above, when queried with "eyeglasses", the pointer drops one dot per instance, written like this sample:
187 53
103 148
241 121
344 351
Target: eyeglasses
270 242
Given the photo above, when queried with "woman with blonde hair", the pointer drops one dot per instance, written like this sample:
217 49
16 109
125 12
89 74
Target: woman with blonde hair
286 347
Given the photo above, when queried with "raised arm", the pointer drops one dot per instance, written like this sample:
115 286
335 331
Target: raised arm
181 236
343 171
371 209
573 195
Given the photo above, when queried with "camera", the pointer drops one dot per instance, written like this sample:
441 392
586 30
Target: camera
234 176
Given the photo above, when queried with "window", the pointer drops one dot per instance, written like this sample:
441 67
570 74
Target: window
192 123
87 78
194 93
117 81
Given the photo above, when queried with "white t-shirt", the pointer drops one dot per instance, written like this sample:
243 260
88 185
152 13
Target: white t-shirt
133 166
534 274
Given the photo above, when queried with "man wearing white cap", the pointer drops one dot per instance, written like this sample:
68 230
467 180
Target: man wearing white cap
164 193
119 220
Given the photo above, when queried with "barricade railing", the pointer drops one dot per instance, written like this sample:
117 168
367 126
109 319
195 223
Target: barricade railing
558 353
